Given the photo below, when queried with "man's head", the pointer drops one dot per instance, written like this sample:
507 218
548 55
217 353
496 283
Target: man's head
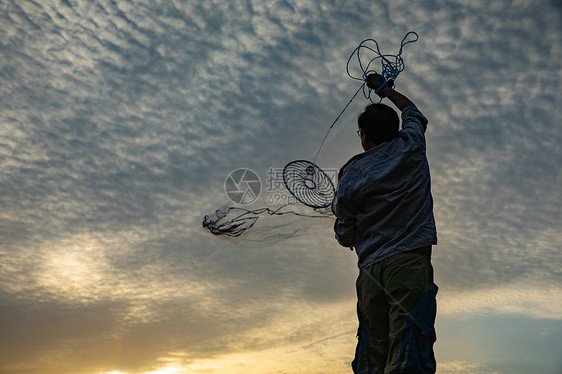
377 124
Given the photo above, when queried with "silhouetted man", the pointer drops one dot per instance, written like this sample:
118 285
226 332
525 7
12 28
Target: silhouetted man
384 211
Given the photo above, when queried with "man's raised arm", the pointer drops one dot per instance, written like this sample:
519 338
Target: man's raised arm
377 83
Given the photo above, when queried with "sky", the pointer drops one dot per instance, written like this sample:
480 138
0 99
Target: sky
121 120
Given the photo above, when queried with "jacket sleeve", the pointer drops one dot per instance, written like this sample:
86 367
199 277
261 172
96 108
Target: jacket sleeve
414 125
413 120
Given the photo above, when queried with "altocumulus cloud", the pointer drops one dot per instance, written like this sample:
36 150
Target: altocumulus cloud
120 120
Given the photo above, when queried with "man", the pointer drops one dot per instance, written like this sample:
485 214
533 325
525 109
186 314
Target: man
384 210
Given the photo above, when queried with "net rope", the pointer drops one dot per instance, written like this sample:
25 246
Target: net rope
390 67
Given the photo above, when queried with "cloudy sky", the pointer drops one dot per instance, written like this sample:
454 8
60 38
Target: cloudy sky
120 121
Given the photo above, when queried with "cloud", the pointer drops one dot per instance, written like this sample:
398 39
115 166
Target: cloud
120 122
511 299
463 367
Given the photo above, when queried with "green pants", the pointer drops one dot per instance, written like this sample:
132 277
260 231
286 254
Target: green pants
396 309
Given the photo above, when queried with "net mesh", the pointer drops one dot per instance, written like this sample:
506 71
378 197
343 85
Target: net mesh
248 227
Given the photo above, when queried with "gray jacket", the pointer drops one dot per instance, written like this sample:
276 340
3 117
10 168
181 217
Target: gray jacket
383 203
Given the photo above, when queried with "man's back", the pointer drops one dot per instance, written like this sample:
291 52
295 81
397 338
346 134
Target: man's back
384 204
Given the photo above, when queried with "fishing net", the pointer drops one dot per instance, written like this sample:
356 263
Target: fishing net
244 226
309 211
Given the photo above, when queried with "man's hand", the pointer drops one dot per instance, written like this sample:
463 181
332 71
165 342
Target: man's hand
373 80
376 82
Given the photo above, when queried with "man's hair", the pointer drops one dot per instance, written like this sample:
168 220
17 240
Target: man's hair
380 123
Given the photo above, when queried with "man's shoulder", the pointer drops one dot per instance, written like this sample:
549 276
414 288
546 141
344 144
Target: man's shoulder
348 164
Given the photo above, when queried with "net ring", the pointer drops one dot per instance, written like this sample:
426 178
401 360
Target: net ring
309 184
